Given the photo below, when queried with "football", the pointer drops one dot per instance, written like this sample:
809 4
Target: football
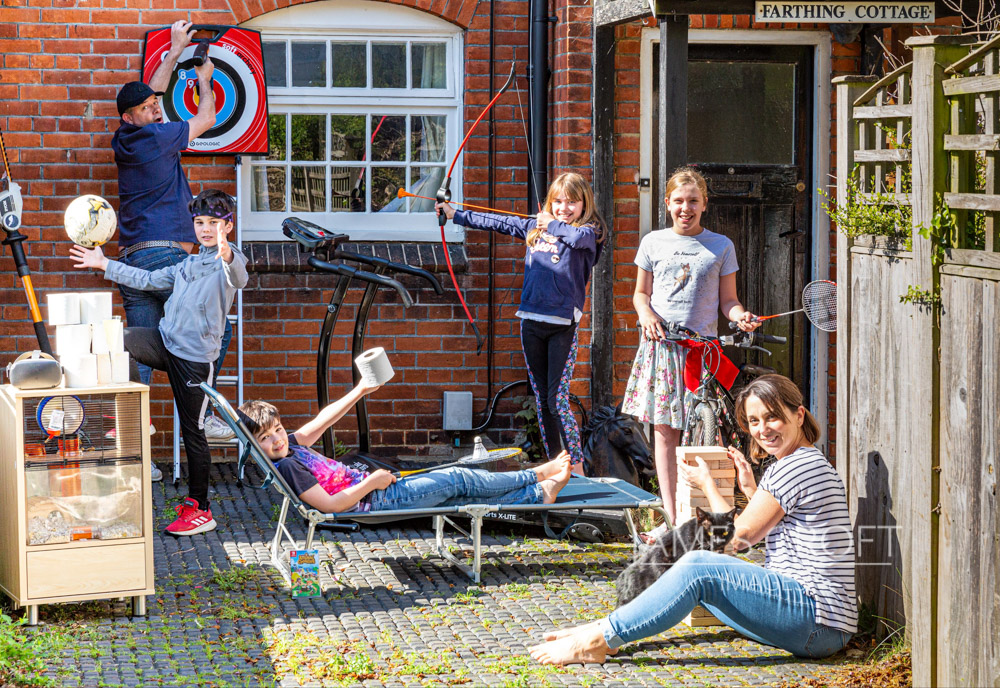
90 221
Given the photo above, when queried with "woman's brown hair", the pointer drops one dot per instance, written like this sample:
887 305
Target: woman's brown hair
574 187
780 396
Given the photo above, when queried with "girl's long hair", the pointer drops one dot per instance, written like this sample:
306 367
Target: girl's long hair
781 397
574 187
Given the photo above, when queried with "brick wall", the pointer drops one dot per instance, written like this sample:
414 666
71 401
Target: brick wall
63 61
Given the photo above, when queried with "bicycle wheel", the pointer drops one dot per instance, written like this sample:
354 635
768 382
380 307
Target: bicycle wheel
705 432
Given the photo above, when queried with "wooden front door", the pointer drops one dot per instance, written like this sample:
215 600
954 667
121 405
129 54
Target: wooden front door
749 134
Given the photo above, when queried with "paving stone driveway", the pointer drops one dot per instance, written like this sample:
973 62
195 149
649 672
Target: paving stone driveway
392 614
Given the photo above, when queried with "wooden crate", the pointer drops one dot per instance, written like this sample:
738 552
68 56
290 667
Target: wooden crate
688 498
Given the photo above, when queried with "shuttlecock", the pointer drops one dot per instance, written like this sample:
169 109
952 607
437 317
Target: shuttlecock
479 450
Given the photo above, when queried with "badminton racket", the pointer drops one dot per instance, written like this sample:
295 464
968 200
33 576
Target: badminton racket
490 456
819 303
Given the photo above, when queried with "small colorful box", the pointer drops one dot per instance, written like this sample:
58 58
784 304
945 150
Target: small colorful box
305 573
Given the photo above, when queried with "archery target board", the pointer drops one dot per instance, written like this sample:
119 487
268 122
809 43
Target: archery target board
238 84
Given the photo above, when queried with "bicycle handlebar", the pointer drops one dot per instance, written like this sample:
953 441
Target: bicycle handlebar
390 265
743 340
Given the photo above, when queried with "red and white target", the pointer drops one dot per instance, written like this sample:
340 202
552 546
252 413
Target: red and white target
238 83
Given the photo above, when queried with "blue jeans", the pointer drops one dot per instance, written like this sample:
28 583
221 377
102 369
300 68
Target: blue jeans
145 308
456 485
764 606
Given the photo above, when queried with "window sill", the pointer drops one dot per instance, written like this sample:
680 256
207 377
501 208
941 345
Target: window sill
284 256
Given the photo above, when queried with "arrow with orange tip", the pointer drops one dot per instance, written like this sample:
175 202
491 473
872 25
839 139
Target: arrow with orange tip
403 193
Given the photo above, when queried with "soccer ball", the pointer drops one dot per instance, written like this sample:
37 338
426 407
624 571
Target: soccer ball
90 221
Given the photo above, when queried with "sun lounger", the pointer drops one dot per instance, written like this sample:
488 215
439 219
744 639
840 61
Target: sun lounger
579 494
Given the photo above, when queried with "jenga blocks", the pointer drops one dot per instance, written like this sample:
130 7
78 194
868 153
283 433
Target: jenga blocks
700 616
689 497
722 470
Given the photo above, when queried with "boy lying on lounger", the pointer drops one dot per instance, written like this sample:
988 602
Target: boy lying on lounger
332 487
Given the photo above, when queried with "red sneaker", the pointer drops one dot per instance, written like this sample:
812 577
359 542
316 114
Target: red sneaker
191 520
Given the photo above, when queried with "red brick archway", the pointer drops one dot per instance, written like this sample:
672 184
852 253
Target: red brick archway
458 12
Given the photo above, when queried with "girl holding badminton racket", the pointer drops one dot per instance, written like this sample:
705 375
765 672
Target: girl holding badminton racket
330 486
686 275
563 242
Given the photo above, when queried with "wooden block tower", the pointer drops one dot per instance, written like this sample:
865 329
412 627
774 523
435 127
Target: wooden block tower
688 498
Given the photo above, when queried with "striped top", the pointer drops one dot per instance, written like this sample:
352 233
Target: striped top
813 542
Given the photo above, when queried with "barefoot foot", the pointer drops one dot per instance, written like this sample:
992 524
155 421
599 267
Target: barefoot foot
585 646
551 468
552 486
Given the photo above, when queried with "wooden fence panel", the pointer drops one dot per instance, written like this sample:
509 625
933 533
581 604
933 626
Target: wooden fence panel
968 586
880 430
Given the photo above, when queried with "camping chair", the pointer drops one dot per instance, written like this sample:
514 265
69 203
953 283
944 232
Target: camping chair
579 494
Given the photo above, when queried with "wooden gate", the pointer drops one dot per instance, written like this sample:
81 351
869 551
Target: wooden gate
918 377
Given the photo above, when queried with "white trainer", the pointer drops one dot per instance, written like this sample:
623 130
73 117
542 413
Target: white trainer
216 429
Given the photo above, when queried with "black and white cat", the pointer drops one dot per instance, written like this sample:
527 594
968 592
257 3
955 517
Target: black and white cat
707 530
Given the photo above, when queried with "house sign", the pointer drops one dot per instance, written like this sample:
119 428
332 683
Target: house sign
845 12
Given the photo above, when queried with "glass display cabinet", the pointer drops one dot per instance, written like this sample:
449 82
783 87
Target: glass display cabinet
76 513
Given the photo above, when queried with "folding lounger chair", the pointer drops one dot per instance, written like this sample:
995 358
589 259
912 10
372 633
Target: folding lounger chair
581 493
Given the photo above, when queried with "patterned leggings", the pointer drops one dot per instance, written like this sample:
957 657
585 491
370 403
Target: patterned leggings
550 353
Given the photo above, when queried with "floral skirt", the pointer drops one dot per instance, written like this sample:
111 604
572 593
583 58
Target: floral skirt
656 393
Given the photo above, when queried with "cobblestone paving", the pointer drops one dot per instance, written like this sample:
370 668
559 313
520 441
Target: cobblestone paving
393 614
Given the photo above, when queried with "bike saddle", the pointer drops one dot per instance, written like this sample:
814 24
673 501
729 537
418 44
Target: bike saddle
310 237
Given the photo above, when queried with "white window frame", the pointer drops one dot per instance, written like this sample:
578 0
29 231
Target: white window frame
368 22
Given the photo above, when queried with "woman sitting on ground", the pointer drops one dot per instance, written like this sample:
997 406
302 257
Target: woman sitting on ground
803 599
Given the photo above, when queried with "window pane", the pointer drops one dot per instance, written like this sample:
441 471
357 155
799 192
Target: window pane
425 181
276 136
427 139
268 189
348 65
753 102
429 66
389 137
274 64
308 137
347 137
348 189
309 64
309 189
386 182
389 65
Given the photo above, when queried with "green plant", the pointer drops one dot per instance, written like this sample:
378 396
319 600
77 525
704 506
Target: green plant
529 414
943 232
235 578
878 214
25 657
926 298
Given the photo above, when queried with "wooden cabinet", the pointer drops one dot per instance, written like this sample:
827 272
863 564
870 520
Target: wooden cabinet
76 516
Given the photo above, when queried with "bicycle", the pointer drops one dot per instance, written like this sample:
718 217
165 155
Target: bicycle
710 413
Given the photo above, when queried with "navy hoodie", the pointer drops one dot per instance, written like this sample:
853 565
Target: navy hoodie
556 268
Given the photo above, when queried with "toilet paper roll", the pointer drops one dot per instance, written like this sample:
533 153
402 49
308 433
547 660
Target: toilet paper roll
114 336
64 309
95 306
119 367
81 371
103 369
374 367
72 340
98 341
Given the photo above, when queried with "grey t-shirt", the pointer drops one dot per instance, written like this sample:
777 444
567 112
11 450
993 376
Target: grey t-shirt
686 272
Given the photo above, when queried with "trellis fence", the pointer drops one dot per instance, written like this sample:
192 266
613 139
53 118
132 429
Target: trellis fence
918 377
